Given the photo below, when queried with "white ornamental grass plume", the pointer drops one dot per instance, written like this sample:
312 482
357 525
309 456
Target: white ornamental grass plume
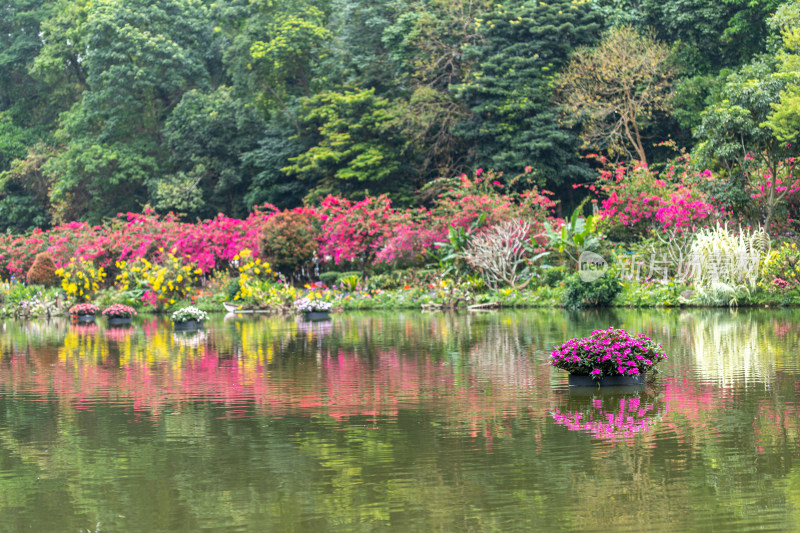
726 265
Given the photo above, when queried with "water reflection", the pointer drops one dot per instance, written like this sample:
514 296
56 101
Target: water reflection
437 422
727 349
610 415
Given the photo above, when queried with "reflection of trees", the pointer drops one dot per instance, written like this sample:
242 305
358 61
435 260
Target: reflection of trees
727 349
438 422
18 337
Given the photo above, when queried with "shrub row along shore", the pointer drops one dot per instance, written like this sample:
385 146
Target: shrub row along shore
650 240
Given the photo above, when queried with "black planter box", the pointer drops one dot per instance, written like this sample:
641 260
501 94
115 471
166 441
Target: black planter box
576 380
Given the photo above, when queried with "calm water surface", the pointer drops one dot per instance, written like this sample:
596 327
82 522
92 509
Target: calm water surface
400 422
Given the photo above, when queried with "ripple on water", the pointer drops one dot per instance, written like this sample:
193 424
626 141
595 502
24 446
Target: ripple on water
400 421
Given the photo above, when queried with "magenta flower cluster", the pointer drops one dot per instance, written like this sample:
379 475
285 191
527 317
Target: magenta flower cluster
631 417
610 352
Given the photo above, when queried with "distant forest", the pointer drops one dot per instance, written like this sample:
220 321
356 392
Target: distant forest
205 107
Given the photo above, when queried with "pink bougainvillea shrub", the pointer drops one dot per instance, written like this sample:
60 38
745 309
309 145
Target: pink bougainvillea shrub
635 199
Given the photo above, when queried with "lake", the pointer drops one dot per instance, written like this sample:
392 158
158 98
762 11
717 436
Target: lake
398 421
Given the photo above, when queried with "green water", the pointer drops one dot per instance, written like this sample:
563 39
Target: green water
398 422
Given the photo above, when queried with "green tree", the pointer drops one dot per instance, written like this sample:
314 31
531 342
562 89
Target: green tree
360 53
141 56
615 90
784 119
734 125
753 122
734 134
357 146
208 135
278 143
20 25
427 43
24 201
514 122
287 53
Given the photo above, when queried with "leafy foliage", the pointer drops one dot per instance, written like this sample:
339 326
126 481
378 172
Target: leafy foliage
577 235
598 293
514 122
781 269
359 146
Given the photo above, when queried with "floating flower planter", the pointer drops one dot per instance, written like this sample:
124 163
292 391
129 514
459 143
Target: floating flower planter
119 315
579 380
313 310
83 313
610 357
188 319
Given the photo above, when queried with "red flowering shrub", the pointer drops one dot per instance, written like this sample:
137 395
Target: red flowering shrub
366 232
412 236
289 240
43 271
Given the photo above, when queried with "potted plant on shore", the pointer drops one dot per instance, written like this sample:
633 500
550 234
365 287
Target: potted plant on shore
608 357
83 313
119 314
313 309
188 319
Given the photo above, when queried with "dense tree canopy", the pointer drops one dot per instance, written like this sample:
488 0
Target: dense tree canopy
202 107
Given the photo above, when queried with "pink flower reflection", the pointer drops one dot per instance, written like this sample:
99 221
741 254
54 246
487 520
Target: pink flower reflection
610 417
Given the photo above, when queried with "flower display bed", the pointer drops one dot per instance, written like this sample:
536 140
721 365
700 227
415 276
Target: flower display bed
83 313
313 310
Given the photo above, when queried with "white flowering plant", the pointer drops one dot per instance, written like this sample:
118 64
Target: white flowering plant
307 305
189 313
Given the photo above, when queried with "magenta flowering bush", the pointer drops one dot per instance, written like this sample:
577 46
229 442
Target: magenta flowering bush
119 311
635 199
610 352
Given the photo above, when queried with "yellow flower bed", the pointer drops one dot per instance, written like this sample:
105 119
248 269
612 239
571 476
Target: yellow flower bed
780 270
164 283
81 279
